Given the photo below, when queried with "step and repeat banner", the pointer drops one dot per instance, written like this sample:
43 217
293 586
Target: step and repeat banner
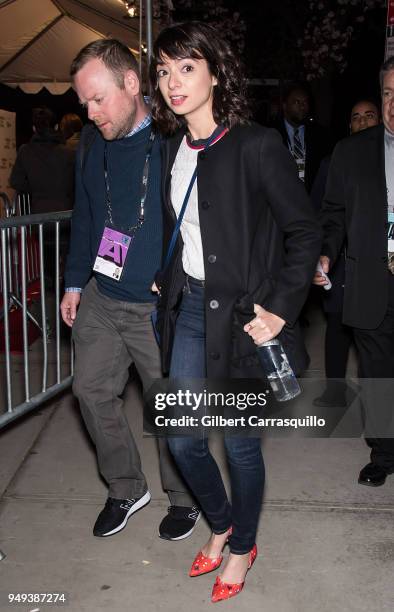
390 29
7 151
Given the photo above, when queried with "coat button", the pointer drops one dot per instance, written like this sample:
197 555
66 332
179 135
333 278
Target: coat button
211 258
214 304
202 155
205 205
214 355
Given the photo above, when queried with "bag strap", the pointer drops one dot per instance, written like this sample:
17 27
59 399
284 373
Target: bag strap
179 222
177 227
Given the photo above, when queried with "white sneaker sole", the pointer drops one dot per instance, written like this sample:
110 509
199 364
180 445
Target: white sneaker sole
185 535
145 499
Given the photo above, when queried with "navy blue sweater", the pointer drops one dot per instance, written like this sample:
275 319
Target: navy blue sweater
126 159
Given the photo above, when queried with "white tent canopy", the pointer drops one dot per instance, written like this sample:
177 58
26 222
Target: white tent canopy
40 38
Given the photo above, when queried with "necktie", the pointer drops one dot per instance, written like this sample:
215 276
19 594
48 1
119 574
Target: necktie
298 151
299 154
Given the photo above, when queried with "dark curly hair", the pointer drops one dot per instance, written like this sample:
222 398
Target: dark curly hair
199 40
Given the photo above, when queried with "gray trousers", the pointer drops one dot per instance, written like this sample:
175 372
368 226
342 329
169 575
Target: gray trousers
109 335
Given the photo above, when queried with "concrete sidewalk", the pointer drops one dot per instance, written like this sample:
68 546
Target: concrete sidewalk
326 544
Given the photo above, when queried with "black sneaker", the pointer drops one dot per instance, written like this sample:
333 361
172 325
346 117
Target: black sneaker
179 522
115 514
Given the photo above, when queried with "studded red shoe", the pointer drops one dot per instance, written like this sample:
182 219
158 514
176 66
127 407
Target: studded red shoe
204 565
224 590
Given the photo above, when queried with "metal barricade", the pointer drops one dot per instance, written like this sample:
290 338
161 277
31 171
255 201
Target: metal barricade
23 263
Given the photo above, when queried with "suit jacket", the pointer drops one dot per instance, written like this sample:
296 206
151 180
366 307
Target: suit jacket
261 241
333 298
317 146
355 209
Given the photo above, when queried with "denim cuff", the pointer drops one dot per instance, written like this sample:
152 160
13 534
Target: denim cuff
220 532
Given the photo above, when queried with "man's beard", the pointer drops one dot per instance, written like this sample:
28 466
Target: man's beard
127 125
124 128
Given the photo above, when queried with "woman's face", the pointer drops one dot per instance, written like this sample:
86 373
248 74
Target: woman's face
186 86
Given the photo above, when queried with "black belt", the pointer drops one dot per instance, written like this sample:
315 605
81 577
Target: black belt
195 281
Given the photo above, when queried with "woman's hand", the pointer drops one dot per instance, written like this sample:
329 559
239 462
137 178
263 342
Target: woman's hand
264 326
155 289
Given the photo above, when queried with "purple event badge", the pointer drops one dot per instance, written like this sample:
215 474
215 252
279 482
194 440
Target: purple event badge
112 253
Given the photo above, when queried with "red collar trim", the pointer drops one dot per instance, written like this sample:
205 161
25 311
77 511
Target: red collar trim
199 147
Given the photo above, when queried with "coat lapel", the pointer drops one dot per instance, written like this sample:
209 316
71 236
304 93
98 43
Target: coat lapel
378 157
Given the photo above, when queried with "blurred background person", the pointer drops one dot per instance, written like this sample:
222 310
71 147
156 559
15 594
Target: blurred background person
44 167
338 338
306 140
70 127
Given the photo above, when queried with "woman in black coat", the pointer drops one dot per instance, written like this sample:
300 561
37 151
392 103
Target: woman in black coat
239 274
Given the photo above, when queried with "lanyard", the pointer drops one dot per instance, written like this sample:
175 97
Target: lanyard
144 186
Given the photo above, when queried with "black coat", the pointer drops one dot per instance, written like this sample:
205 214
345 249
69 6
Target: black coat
260 243
332 299
44 167
355 209
317 146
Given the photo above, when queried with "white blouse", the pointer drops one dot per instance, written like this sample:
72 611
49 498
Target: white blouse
181 173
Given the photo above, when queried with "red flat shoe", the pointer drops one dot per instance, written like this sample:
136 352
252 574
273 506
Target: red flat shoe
204 565
224 590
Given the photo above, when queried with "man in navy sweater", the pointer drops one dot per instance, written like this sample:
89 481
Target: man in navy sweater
115 250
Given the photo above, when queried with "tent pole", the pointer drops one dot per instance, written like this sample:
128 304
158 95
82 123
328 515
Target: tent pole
140 37
148 21
148 30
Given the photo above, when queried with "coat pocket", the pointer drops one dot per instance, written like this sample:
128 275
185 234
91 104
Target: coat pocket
244 349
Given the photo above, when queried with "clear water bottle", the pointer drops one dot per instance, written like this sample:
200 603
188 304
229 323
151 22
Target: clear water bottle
278 370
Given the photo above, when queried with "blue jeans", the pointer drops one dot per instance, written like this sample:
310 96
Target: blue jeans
192 455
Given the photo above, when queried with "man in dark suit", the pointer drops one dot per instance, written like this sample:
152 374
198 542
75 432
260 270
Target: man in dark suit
306 140
338 339
359 207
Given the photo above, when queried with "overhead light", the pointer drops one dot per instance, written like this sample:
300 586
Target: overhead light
131 8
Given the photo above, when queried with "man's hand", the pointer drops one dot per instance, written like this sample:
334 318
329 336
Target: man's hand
69 305
318 279
264 326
